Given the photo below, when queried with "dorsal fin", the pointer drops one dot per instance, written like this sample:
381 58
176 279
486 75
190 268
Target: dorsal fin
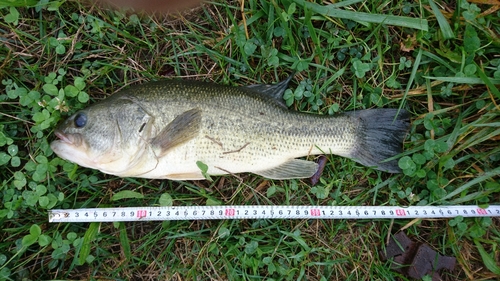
274 91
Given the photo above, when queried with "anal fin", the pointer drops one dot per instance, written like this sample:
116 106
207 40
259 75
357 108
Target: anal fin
292 169
185 176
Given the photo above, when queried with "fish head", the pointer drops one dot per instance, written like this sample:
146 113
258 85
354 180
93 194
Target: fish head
110 136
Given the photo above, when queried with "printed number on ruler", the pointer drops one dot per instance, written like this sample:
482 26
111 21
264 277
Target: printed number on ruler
267 212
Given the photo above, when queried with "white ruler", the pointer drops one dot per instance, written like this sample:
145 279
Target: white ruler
267 212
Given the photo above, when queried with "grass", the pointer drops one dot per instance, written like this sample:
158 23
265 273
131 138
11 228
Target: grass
438 60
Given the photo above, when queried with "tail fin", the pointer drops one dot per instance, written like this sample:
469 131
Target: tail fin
381 137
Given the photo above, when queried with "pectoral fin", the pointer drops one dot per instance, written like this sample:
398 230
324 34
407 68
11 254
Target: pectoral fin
183 128
292 169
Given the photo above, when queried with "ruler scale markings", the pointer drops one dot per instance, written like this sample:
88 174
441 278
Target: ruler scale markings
266 212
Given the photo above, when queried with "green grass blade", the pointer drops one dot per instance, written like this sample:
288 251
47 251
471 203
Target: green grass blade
473 196
456 131
489 261
344 3
485 176
443 23
330 11
481 136
493 124
89 236
488 81
466 80
314 36
414 70
17 3
126 194
439 60
124 242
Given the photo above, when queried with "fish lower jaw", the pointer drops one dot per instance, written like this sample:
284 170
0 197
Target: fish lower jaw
63 138
75 154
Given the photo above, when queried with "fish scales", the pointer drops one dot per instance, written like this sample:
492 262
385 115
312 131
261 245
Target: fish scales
243 131
162 129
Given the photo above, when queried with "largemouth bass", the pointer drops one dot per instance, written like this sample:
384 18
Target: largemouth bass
160 130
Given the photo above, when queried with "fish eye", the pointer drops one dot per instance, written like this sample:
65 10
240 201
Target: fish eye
80 120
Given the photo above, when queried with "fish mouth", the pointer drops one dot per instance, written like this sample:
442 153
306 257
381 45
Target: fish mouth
64 138
71 147
70 139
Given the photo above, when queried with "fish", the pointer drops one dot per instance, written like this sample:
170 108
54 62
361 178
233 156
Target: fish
166 129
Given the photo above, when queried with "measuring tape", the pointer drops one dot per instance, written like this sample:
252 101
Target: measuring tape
267 212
